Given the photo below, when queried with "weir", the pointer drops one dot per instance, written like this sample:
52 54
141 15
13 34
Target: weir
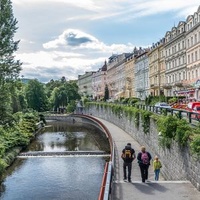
63 154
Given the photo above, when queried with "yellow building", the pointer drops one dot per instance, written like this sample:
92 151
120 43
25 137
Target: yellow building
157 68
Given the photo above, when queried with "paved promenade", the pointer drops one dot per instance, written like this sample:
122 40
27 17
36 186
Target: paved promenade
136 190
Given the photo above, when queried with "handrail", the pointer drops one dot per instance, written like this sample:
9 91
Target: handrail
108 182
103 183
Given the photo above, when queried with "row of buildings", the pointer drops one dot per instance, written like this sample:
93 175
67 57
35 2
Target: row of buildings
170 67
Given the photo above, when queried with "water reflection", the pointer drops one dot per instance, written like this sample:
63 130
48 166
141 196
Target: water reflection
61 136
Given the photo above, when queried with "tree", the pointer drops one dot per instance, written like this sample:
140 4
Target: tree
64 94
9 68
36 96
106 96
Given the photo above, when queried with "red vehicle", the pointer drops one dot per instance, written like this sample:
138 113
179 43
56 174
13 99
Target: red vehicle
194 107
196 110
191 105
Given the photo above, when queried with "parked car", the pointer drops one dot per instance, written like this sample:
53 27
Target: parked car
192 105
196 111
160 105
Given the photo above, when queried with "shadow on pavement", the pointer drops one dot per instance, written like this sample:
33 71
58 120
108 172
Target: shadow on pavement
149 188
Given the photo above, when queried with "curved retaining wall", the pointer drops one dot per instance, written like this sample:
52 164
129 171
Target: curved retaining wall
178 164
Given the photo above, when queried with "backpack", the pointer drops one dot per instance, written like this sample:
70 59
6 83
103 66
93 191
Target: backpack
145 158
127 154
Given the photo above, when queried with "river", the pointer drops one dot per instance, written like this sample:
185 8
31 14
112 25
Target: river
58 178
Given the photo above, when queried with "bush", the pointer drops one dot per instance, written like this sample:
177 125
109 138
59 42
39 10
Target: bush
195 145
3 166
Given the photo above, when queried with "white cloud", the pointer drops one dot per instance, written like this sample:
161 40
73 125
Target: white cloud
83 58
84 41
111 8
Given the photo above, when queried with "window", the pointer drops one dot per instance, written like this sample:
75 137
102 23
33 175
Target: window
190 24
188 43
188 59
195 38
179 46
183 44
196 56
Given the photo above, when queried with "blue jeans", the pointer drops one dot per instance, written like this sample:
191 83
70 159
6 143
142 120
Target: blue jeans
157 172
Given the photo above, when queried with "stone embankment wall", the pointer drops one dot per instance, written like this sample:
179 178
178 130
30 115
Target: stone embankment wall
178 163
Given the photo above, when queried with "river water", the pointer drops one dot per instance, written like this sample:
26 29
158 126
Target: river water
58 178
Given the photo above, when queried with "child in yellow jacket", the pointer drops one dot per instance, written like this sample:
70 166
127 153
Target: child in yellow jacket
156 167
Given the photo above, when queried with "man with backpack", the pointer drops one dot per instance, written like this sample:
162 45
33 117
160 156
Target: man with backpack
128 155
144 158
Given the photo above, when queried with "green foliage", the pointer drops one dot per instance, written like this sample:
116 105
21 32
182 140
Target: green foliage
173 100
18 135
145 116
71 107
183 131
106 95
9 68
27 124
172 128
132 100
36 96
3 166
137 118
195 145
165 142
5 106
167 126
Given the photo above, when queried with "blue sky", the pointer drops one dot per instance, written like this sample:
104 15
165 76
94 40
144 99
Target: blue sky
69 37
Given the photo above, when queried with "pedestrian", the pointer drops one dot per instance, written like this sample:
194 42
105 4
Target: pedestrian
156 167
144 158
128 155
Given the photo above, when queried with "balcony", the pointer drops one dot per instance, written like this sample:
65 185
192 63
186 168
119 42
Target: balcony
178 84
167 86
154 86
140 89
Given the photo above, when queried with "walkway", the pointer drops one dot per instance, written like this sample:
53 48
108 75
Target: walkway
165 190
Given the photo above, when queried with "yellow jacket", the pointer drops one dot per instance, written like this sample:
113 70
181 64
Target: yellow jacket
156 164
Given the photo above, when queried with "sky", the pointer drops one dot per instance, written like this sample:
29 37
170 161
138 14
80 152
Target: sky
70 37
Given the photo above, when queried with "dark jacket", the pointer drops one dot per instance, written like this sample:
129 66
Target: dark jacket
132 157
139 158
